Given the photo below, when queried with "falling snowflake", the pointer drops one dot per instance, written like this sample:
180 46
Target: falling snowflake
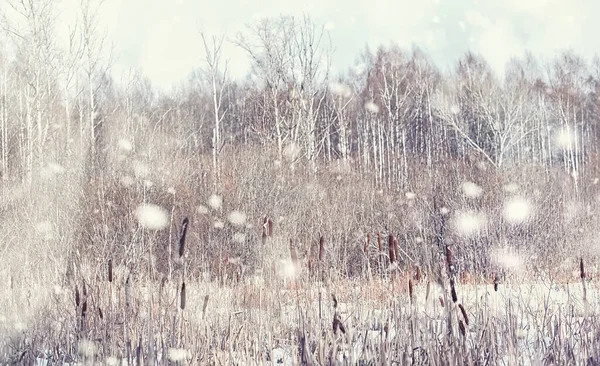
517 210
471 189
152 217
372 107
237 218
215 202
469 223
125 145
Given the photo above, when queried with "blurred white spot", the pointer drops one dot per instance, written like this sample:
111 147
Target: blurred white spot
215 202
56 168
454 109
203 210
219 225
595 181
51 170
371 107
469 223
444 211
565 139
125 145
471 189
148 183
140 169
291 152
86 348
177 354
239 238
329 26
435 19
517 210
171 190
410 195
111 361
44 227
288 269
127 181
508 259
152 217
237 218
340 90
511 188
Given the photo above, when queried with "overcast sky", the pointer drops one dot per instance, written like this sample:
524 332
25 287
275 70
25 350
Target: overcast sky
162 36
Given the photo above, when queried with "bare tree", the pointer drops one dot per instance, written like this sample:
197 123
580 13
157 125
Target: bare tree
216 75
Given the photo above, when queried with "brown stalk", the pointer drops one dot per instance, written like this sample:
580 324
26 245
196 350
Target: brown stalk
461 327
391 250
110 271
204 306
410 290
453 291
182 234
321 248
464 313
182 299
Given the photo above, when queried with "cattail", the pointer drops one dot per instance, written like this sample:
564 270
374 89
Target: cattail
293 254
128 291
204 306
449 259
77 298
496 282
464 313
100 313
427 289
396 255
83 300
337 324
453 291
321 245
367 242
581 269
379 242
264 230
182 233
267 227
110 271
410 290
441 301
461 327
335 303
391 248
182 300
418 273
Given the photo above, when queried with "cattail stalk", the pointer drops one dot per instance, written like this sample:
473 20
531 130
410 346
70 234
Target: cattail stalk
391 251
464 313
321 248
453 291
182 298
182 234
582 276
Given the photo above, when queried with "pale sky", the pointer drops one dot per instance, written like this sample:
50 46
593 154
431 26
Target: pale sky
161 37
